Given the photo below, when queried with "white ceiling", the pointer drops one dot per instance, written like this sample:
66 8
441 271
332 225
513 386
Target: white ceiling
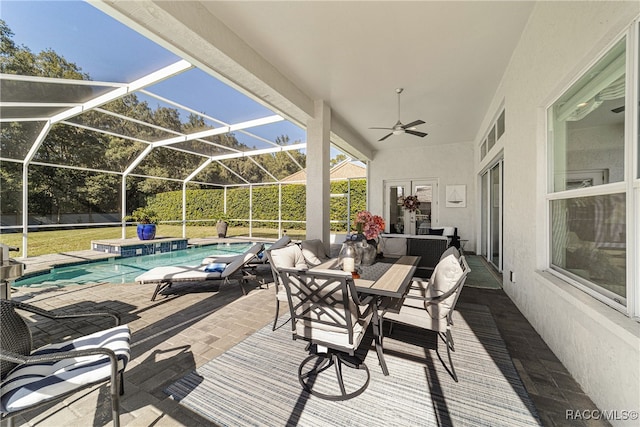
448 56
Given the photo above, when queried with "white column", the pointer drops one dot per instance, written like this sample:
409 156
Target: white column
318 184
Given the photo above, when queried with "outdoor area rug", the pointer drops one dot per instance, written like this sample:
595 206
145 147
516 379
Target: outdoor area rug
255 383
480 275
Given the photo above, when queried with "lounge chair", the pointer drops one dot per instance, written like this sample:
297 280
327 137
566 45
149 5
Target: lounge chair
164 277
260 259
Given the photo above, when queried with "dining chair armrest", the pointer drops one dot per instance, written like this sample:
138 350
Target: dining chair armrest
435 298
51 315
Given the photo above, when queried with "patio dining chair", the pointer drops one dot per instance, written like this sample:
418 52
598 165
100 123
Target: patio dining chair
327 312
430 304
30 378
288 257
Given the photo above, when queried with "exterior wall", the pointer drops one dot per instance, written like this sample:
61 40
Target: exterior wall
597 344
448 163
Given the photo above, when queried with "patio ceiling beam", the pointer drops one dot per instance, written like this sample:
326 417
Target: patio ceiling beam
219 131
283 148
198 170
38 104
167 130
58 80
138 159
105 132
150 79
206 116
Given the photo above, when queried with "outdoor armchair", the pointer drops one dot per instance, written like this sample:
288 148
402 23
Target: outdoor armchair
32 378
430 304
327 312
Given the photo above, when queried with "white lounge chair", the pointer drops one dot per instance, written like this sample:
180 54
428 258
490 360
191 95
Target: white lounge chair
164 277
259 260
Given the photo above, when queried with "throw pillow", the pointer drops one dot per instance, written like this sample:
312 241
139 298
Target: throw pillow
215 267
444 277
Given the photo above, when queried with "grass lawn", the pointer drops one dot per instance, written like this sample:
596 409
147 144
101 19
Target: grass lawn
58 241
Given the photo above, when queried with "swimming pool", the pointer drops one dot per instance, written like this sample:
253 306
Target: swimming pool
125 270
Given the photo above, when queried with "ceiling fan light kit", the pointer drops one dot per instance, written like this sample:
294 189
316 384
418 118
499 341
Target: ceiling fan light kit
399 128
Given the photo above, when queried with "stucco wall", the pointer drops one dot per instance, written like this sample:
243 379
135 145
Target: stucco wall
449 164
597 344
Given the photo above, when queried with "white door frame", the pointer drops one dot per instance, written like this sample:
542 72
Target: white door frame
409 220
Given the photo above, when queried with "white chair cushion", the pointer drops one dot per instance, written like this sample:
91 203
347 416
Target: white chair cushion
450 250
27 385
314 252
287 257
333 336
444 277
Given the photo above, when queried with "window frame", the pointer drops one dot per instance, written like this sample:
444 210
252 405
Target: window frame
630 186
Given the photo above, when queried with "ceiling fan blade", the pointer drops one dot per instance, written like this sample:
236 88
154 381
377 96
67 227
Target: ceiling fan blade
385 137
416 133
383 128
412 124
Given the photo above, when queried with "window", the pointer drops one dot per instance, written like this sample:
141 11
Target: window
494 133
587 126
500 125
587 142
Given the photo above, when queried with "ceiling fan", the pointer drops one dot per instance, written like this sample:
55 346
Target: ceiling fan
399 128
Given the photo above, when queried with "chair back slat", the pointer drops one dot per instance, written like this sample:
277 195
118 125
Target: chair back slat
15 336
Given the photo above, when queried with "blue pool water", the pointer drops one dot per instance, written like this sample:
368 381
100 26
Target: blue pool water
125 270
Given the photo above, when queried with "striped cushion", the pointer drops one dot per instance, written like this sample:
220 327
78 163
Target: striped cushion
27 385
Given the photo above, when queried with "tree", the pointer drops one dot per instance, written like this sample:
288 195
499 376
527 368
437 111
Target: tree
338 159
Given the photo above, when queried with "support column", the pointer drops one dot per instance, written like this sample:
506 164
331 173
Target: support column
318 183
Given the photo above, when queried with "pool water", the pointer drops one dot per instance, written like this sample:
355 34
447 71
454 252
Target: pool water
125 270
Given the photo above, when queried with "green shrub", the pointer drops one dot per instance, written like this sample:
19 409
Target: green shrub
209 204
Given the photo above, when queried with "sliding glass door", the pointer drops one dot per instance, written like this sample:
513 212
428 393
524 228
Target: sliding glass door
491 215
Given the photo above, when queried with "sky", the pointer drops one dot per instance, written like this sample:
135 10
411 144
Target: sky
109 51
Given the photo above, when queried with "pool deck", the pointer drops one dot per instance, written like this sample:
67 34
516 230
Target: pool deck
196 322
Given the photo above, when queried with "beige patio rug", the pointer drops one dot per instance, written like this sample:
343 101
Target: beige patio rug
255 383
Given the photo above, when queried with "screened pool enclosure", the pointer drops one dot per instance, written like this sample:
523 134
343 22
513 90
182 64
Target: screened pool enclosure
78 153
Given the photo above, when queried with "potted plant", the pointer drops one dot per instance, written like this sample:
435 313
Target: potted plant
147 222
221 226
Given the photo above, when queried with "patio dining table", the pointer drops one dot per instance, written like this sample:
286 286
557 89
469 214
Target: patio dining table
384 285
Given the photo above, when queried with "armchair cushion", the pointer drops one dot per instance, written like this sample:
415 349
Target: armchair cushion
314 252
289 257
29 384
